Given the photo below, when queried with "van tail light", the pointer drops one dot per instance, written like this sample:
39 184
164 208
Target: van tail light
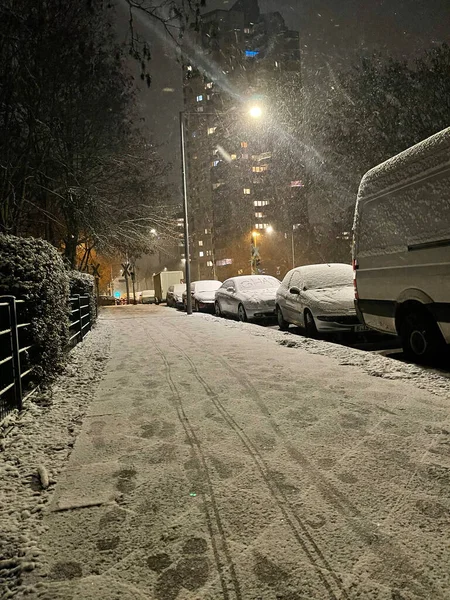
355 267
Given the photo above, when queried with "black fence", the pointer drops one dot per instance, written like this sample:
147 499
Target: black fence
18 354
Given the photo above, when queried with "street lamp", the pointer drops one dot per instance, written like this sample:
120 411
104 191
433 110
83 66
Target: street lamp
294 227
255 112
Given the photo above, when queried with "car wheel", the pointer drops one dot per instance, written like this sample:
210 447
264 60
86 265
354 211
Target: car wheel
196 306
242 315
282 324
421 337
218 310
310 326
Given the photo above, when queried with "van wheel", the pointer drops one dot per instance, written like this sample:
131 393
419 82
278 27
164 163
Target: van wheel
420 335
310 326
282 324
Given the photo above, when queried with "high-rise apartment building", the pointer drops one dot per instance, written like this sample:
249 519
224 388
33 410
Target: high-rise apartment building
237 194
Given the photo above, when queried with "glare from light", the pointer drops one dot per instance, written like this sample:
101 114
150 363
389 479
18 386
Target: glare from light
255 234
255 112
269 229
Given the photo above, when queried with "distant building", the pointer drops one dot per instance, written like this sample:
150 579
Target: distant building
235 185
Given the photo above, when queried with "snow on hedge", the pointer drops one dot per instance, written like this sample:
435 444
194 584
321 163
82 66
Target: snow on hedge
84 285
32 270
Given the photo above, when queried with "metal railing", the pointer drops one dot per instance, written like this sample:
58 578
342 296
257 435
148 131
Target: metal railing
18 356
80 318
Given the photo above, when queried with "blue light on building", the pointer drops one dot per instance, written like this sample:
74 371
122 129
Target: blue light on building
251 53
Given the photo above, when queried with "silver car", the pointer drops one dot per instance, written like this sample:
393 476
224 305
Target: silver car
247 297
203 295
319 298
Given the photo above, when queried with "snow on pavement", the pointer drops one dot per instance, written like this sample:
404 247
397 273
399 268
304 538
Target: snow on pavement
34 449
223 460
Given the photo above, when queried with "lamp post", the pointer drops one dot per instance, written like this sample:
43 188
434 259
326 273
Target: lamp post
187 266
294 227
255 112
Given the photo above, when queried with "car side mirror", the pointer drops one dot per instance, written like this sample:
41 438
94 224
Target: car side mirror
294 290
230 289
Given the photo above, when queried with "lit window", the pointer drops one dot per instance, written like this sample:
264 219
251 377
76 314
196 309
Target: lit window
209 253
189 67
207 231
276 63
209 263
199 108
259 215
199 98
247 191
200 242
211 130
244 144
246 29
209 85
251 53
259 169
201 254
261 203
233 156
214 163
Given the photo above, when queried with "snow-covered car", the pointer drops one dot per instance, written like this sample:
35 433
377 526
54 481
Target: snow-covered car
247 297
319 298
203 294
148 296
175 295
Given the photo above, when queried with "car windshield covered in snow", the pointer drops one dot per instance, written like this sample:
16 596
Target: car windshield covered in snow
207 286
179 288
257 283
328 276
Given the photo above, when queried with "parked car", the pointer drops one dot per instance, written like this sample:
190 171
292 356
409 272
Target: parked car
401 247
148 296
105 300
203 295
174 296
319 298
247 297
162 281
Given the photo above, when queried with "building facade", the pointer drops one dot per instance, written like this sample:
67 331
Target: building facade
243 201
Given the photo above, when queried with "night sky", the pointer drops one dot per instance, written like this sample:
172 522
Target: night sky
333 33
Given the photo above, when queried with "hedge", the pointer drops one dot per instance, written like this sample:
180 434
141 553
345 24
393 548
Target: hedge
84 285
32 270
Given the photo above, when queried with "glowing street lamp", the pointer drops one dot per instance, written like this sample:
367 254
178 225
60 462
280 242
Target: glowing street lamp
269 229
255 112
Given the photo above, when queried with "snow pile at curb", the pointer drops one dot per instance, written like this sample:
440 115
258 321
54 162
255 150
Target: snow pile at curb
35 446
373 364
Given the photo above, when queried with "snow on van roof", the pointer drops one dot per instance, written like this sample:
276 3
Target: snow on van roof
428 156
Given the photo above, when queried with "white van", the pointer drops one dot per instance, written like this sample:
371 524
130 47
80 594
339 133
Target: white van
401 247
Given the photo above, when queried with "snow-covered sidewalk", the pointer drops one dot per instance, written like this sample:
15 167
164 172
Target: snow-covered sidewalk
220 460
34 449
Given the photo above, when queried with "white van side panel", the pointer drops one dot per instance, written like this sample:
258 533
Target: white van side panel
402 237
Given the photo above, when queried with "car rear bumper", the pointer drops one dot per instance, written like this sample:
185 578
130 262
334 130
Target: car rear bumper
260 313
347 323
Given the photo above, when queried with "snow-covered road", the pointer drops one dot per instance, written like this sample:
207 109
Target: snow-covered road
220 460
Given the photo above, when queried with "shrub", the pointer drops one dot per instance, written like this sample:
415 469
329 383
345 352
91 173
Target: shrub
84 285
32 270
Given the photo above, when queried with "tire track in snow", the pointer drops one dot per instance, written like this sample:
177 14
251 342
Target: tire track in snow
215 528
298 527
390 553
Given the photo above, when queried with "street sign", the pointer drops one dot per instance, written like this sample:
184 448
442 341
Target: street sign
126 269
